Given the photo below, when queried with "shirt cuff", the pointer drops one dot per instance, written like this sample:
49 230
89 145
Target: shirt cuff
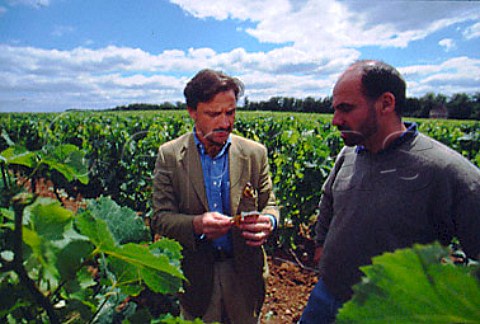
273 220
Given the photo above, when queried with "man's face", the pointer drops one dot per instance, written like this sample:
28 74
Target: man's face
214 119
354 115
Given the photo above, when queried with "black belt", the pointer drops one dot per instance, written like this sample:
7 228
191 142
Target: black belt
220 255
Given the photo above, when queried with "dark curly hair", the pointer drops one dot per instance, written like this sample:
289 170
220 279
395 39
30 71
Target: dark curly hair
207 83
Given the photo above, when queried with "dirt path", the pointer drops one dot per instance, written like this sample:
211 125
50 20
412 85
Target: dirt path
288 288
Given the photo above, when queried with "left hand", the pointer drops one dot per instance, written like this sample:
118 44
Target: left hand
256 230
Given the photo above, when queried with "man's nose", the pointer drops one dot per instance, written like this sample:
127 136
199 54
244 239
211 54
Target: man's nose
224 121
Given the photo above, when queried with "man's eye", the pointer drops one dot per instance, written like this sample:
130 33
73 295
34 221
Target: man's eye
344 109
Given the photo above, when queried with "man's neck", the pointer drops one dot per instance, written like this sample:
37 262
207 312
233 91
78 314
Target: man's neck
212 150
385 138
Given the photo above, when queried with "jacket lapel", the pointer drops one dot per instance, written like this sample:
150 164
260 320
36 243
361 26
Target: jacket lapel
192 166
238 174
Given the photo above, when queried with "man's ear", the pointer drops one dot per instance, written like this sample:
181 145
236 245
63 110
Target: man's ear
387 103
192 112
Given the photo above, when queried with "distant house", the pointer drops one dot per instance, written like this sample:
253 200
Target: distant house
439 112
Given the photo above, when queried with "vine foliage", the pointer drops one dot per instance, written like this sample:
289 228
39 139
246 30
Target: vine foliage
61 266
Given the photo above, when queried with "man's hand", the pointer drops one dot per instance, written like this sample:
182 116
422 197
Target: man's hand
256 230
212 225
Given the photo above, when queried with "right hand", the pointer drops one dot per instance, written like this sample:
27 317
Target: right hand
212 224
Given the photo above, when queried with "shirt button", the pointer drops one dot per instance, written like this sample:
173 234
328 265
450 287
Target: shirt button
214 183
215 205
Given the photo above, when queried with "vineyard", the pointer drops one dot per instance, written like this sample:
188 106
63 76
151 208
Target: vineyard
112 155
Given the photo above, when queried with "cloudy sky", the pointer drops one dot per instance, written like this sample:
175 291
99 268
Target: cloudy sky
96 54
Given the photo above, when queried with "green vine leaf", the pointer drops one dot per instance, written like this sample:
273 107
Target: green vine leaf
71 257
19 156
168 247
123 222
49 218
155 270
96 230
69 160
43 229
413 286
132 263
43 252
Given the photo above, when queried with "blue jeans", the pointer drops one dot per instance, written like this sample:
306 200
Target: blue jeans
322 307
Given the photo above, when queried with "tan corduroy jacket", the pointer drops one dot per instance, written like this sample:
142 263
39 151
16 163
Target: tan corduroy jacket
179 194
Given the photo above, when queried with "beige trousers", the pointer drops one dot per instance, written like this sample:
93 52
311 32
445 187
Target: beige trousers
227 304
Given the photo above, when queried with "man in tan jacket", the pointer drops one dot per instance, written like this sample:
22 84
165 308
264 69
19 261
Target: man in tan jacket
213 194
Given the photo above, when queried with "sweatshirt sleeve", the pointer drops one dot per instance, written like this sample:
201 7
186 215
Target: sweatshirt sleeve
326 211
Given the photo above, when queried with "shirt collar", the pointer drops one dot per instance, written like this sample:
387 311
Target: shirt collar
410 132
201 147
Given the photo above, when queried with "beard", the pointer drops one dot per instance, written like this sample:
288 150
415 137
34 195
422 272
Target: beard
219 136
215 140
365 130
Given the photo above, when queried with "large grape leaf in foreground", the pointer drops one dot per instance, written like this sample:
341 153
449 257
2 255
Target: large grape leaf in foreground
133 263
413 286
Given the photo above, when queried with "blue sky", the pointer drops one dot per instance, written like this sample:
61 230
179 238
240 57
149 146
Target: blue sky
95 54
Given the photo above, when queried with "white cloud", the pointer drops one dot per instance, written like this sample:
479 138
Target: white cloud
30 3
38 79
254 10
460 74
262 86
316 41
59 31
472 31
313 24
448 44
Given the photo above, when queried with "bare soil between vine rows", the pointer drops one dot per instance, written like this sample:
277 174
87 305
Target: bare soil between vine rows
288 289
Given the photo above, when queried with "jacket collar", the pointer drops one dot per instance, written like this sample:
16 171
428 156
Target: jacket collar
190 161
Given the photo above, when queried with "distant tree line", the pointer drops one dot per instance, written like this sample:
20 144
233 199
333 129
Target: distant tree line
457 106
